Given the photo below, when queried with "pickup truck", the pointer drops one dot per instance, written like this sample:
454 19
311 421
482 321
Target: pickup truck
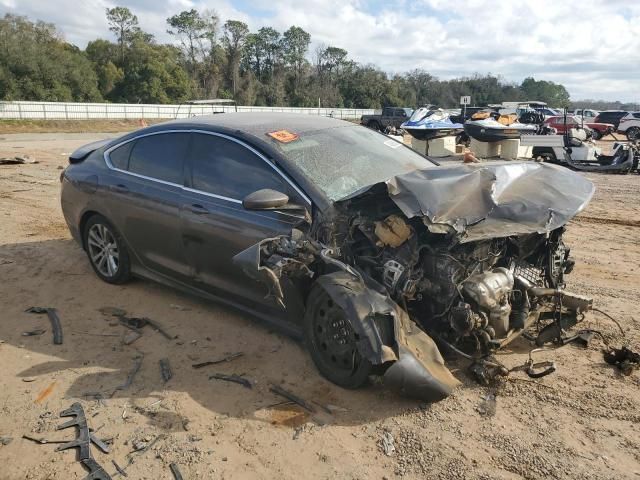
390 117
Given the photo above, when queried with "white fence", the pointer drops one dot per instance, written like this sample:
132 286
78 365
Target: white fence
119 111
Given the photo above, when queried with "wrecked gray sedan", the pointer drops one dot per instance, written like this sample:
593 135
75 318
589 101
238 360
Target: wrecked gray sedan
377 256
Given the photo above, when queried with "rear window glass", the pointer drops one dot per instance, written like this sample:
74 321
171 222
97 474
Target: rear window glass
160 156
120 156
636 115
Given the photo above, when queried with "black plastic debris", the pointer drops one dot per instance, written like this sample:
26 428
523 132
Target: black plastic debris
83 442
56 326
136 323
278 390
232 378
176 471
34 333
228 358
165 370
625 359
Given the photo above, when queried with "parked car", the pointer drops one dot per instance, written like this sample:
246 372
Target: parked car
630 126
611 116
390 117
587 113
599 130
334 233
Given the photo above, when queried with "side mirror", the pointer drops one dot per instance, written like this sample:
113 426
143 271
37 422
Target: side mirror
265 199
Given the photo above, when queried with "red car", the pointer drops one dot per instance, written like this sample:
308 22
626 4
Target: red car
599 129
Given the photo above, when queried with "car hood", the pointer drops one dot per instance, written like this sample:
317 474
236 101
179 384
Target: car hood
490 200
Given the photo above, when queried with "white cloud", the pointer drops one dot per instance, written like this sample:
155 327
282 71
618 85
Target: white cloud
591 46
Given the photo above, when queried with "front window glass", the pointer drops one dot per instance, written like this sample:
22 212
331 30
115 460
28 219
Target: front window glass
224 167
342 160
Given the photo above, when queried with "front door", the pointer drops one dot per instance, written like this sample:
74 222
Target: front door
221 171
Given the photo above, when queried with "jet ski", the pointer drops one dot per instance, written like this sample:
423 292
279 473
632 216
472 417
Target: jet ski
493 127
427 124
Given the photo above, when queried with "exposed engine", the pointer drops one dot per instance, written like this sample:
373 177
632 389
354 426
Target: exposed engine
477 294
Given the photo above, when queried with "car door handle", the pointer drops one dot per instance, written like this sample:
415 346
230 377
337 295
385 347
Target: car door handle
198 209
120 188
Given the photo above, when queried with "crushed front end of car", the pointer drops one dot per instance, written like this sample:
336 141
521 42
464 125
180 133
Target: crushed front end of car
466 258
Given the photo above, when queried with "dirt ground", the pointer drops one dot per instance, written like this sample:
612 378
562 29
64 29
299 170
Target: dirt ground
579 423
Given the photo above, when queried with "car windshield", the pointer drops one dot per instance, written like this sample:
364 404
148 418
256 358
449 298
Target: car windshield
342 160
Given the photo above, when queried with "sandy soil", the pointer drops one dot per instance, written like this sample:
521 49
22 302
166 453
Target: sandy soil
579 423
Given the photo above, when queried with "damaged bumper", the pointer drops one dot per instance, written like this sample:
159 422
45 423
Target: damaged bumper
414 365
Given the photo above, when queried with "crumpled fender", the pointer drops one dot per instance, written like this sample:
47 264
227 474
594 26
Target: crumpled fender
250 262
418 369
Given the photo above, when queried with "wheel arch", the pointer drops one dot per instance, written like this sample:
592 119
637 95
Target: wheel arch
83 223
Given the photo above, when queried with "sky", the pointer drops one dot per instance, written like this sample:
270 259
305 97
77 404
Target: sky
592 47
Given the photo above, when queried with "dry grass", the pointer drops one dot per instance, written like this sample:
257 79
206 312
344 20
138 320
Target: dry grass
72 126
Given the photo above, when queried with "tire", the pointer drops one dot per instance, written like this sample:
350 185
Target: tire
596 135
546 154
633 134
325 326
107 252
374 125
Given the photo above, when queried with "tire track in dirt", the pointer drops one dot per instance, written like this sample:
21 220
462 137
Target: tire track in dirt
607 221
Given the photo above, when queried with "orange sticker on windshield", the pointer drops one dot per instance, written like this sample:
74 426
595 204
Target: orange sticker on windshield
283 136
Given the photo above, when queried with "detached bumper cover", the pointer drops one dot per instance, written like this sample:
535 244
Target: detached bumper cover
417 368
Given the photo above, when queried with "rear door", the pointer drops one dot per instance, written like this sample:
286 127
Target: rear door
221 172
146 197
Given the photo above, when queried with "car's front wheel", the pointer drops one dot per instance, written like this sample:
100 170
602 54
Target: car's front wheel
331 342
596 134
106 250
633 134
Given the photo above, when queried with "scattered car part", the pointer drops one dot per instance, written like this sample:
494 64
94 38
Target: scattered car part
228 358
533 369
83 440
136 323
119 469
278 390
104 448
625 359
42 441
33 333
112 311
134 371
131 337
19 160
387 443
232 378
96 472
487 406
53 318
176 471
165 370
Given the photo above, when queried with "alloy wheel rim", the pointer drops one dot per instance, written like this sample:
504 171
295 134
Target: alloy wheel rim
103 250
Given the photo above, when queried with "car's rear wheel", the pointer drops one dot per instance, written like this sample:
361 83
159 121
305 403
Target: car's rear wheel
633 134
373 125
106 250
332 342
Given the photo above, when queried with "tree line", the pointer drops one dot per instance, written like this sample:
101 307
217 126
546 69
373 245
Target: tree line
215 59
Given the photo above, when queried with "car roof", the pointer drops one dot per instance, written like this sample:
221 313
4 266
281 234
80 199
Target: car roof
253 128
259 124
